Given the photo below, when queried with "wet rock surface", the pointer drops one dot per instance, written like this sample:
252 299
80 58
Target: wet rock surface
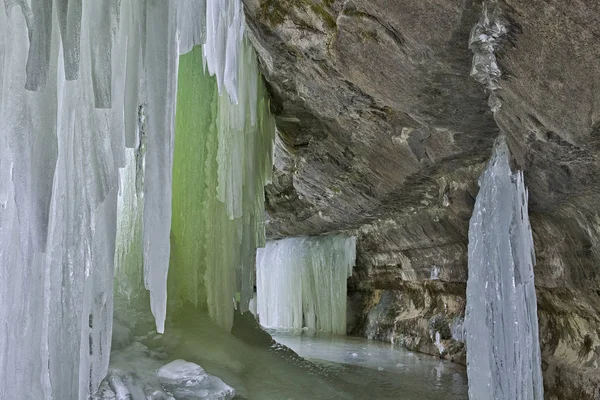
383 133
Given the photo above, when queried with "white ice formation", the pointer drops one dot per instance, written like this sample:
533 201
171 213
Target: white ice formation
88 95
503 351
302 283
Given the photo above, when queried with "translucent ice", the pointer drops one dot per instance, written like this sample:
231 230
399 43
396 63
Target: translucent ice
302 282
138 372
214 233
503 352
69 19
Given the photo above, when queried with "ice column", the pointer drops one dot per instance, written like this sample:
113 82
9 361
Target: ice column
503 351
302 282
224 34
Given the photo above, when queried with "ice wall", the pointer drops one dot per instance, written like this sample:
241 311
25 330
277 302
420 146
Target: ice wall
58 220
503 351
88 95
219 144
302 282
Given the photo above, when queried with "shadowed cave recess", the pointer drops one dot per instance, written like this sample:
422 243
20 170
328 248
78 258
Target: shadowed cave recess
312 199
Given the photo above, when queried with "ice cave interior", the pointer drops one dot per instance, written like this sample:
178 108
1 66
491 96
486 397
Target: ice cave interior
136 140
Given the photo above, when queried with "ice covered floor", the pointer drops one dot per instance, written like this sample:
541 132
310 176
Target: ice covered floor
376 370
258 368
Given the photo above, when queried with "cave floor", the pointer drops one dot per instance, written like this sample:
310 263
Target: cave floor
301 367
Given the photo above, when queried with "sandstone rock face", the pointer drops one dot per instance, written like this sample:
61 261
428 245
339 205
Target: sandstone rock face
383 133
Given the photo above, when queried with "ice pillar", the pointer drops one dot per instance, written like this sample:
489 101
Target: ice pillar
503 350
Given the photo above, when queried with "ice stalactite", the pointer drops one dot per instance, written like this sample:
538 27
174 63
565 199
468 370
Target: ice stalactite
503 351
161 59
302 283
238 149
224 34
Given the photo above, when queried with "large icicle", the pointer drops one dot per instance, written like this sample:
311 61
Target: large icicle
161 87
503 351
302 283
69 20
82 230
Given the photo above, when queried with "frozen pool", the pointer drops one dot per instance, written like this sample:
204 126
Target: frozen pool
377 370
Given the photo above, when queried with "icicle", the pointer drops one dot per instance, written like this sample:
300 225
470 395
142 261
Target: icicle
224 33
80 247
161 88
133 31
38 61
191 23
503 351
27 158
69 20
58 199
302 283
103 29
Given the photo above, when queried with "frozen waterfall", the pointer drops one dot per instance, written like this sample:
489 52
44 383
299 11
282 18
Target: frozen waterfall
88 95
218 144
302 283
503 351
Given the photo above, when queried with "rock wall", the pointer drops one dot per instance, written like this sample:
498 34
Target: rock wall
383 133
